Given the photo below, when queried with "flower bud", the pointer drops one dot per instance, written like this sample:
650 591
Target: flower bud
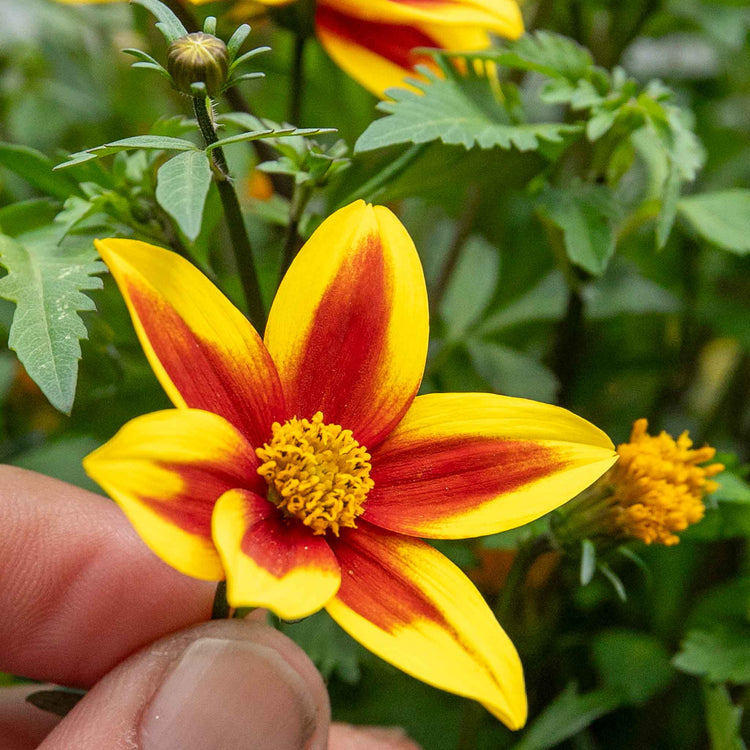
198 58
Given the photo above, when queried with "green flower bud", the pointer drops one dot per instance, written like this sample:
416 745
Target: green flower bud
197 58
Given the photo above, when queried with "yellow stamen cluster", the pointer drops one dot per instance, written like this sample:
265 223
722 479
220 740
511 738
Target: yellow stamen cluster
316 472
658 485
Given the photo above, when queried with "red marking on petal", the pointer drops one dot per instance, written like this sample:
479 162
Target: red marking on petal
447 476
192 507
280 545
206 377
376 584
390 41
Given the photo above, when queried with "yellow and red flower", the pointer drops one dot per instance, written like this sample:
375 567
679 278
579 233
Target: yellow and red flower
303 466
373 40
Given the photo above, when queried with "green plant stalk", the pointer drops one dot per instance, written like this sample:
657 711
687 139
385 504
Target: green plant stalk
243 251
297 77
300 198
220 609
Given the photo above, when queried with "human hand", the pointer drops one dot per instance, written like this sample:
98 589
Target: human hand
84 603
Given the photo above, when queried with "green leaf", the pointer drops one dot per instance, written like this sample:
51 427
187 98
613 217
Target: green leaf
62 459
567 715
471 286
34 167
169 25
24 216
635 664
268 133
723 718
544 52
720 654
46 280
545 301
722 218
588 561
511 372
182 185
160 142
457 111
732 489
670 198
237 40
583 213
329 647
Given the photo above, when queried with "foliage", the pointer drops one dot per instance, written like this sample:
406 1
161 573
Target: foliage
582 211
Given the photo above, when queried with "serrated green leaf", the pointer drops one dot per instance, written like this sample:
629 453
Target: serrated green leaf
158 142
182 185
169 25
720 654
583 213
722 218
723 718
567 715
46 281
37 169
545 52
457 111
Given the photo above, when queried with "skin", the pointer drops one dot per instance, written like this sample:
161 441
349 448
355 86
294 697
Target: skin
86 604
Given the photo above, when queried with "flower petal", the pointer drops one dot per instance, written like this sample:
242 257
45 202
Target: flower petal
348 329
468 464
166 470
502 17
205 353
271 561
414 608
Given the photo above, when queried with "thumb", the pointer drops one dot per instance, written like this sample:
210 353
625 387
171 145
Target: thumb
223 684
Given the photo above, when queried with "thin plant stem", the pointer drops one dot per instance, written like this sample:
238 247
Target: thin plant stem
300 198
507 600
377 183
243 251
298 77
221 609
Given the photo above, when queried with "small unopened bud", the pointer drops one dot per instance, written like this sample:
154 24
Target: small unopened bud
198 58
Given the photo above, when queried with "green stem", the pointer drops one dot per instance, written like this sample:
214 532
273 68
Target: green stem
243 251
375 185
298 77
300 198
220 609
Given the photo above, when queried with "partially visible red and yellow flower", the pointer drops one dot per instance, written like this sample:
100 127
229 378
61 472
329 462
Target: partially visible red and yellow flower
303 467
374 40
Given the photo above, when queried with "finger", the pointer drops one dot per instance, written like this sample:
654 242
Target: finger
348 737
22 726
224 684
79 590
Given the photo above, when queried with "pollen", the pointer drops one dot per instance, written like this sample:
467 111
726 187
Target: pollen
658 485
316 472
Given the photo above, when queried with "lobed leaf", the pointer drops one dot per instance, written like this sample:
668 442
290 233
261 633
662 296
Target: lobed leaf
46 281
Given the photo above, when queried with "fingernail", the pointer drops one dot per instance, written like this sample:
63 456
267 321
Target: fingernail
229 694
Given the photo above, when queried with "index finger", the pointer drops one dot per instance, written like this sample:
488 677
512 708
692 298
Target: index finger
79 590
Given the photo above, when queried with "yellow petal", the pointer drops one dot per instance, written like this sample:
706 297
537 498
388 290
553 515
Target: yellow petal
411 606
469 464
348 329
205 353
270 561
166 470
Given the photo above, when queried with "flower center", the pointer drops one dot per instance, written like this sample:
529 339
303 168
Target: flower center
316 472
659 485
